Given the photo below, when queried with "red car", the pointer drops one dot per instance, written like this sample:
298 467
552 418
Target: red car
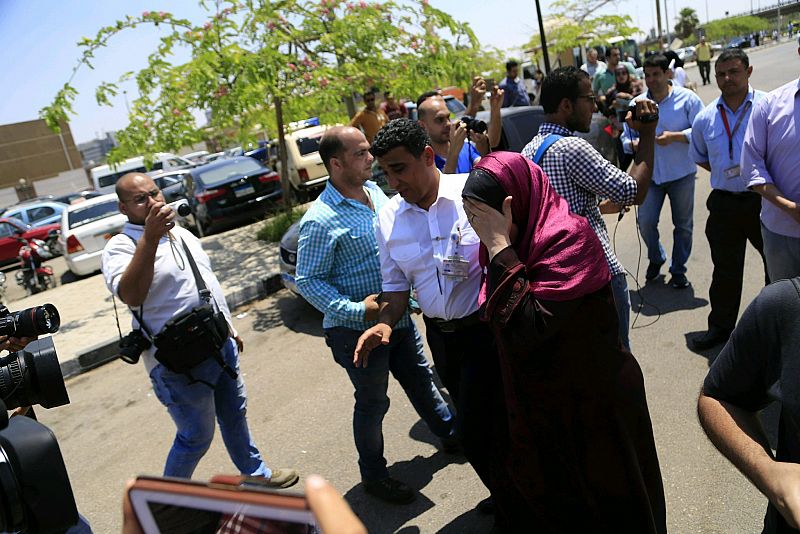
9 229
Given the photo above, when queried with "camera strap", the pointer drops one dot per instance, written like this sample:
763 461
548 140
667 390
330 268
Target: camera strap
202 290
547 143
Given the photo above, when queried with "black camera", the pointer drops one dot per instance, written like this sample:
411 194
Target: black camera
132 346
32 322
649 117
473 124
35 492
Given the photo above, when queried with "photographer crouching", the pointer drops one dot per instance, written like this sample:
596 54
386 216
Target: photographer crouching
183 331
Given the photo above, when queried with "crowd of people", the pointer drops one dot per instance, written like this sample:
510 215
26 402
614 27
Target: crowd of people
507 257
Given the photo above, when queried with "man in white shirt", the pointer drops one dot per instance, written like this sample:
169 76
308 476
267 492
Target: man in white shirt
147 267
592 65
425 241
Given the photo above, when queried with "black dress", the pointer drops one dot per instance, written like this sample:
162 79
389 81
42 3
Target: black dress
578 453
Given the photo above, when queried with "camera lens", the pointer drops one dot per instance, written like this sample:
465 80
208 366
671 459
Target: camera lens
33 376
184 210
31 322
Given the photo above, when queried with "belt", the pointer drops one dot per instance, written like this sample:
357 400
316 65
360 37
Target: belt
453 325
741 194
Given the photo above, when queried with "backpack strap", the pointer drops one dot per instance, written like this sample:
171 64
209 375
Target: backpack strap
547 143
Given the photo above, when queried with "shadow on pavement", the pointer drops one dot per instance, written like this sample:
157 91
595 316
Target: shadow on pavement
657 298
379 516
709 354
469 522
292 312
68 277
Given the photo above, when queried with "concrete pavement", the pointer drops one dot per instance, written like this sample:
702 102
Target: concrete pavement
246 268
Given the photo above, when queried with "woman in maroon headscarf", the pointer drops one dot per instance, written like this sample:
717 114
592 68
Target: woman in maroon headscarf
578 453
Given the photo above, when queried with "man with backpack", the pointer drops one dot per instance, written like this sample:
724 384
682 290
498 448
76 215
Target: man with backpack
581 175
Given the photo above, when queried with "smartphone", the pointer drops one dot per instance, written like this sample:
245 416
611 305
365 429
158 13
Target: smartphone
225 504
490 83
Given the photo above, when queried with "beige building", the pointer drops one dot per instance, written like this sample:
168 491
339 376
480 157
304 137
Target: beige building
33 151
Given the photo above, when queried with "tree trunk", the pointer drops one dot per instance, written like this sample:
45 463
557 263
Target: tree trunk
286 185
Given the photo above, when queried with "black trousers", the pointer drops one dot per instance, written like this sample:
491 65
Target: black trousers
733 220
466 362
705 71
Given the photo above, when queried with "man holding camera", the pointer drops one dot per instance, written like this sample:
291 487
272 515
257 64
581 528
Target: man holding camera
581 175
162 273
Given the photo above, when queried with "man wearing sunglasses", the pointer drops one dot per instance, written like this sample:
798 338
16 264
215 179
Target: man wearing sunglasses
149 266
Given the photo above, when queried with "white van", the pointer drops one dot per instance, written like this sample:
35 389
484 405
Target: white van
105 177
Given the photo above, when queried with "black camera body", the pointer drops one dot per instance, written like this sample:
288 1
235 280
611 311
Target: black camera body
473 124
31 322
649 117
132 346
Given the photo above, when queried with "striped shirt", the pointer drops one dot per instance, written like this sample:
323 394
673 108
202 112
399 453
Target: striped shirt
583 177
337 257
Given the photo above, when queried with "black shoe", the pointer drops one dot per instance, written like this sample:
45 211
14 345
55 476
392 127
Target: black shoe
486 506
653 270
450 445
679 281
390 490
712 338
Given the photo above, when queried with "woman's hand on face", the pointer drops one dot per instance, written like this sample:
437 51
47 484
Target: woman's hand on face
493 228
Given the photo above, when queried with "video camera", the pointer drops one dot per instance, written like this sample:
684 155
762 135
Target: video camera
35 493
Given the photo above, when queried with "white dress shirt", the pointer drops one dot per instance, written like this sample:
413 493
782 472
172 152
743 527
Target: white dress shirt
413 244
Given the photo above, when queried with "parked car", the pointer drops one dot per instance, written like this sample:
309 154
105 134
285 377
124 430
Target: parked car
229 189
37 213
307 174
104 177
738 42
80 196
10 228
196 157
172 184
686 54
86 228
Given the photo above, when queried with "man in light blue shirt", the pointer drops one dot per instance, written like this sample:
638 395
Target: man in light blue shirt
339 273
673 174
770 159
733 210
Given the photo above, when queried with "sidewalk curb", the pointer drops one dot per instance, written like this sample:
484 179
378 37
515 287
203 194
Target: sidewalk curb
107 351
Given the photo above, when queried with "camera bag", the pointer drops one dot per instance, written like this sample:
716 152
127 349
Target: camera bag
189 339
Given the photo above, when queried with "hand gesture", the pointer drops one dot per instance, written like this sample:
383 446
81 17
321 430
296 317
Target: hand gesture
493 228
458 134
481 141
371 307
478 90
496 99
159 221
374 337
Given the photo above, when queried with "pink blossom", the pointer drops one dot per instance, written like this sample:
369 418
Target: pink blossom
313 65
145 14
424 2
363 4
306 62
162 14
207 26
292 66
414 45
323 82
271 25
146 125
307 76
350 6
176 112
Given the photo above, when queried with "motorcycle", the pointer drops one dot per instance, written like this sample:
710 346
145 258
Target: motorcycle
34 275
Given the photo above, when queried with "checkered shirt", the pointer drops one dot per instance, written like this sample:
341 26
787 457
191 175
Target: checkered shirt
583 177
337 257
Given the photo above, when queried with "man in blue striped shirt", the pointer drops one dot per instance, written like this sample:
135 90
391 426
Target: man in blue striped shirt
339 273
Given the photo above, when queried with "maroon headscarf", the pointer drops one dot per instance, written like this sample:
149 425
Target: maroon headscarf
563 256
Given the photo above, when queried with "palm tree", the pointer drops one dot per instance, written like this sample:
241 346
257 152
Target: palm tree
687 22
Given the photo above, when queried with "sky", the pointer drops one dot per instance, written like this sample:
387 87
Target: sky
38 43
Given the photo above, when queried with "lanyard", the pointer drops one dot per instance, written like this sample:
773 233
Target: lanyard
728 131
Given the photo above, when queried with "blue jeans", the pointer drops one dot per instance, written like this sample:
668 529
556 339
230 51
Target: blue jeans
782 254
193 408
681 200
404 357
622 300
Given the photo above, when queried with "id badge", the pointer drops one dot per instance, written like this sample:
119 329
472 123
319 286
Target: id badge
732 172
456 268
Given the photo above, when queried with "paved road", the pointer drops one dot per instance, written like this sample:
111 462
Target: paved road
300 403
